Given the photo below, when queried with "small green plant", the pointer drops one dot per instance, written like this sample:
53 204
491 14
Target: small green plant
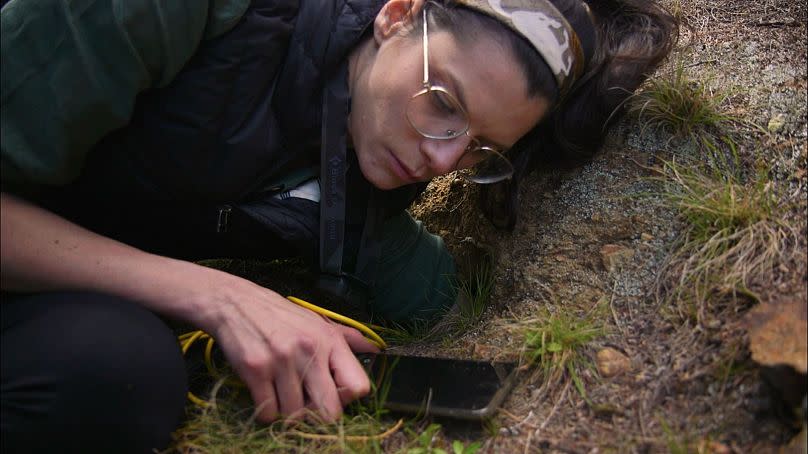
557 342
459 448
426 443
678 105
734 229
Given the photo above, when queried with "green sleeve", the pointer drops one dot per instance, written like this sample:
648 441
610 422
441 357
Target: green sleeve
71 70
416 276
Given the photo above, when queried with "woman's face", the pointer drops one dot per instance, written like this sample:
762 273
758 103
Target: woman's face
482 75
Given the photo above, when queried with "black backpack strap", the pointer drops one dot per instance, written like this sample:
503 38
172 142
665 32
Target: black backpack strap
352 286
370 245
333 170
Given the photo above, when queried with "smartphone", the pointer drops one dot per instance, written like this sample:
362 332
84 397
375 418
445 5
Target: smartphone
454 388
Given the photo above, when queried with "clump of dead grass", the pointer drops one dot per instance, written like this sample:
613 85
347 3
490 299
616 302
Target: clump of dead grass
735 229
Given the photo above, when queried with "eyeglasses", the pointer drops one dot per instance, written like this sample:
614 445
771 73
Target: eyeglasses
436 114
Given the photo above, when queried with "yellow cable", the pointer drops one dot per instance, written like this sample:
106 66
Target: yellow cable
375 339
188 339
197 401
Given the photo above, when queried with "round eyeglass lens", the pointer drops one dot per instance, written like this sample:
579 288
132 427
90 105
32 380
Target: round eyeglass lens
435 113
484 165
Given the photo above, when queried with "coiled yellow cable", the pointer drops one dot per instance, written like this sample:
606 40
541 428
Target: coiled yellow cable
188 339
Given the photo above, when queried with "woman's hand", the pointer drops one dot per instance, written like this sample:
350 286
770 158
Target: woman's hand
289 357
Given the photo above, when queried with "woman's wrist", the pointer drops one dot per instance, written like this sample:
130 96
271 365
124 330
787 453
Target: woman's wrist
185 291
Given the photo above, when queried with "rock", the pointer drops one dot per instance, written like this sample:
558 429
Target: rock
612 362
646 236
614 256
777 334
776 123
778 341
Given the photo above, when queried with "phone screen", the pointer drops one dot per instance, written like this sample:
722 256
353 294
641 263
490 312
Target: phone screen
458 388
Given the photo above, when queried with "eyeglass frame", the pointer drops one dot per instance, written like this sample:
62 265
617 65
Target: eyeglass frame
426 87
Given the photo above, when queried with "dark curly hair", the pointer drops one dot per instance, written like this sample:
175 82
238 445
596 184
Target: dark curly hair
623 41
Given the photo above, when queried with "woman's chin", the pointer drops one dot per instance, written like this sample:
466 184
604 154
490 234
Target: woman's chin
379 178
385 183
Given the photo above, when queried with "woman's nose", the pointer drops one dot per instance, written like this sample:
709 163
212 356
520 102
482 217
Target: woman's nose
443 155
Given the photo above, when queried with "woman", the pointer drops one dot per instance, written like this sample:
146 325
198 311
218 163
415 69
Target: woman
137 137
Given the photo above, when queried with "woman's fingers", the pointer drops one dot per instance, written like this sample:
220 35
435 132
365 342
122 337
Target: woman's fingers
322 391
289 357
350 377
356 340
290 391
262 391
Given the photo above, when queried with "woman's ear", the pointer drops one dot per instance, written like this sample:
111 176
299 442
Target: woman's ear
394 17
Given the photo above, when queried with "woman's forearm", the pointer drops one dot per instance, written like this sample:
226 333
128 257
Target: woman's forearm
41 251
278 348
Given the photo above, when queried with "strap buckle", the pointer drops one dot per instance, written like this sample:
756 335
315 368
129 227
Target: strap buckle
223 219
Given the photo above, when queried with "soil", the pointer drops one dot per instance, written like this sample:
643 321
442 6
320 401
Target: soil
675 392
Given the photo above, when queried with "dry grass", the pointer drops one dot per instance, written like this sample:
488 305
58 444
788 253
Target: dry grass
227 425
735 231
673 103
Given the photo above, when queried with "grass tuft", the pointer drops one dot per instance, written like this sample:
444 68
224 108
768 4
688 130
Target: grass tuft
557 343
228 426
734 231
474 296
675 104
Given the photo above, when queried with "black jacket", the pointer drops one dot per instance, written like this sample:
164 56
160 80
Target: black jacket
243 114
193 172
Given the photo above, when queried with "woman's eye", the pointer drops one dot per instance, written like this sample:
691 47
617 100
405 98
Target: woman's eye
443 103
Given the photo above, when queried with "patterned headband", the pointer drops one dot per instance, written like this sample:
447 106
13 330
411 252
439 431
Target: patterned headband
543 25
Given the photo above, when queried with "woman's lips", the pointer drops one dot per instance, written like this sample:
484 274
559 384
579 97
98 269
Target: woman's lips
401 171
